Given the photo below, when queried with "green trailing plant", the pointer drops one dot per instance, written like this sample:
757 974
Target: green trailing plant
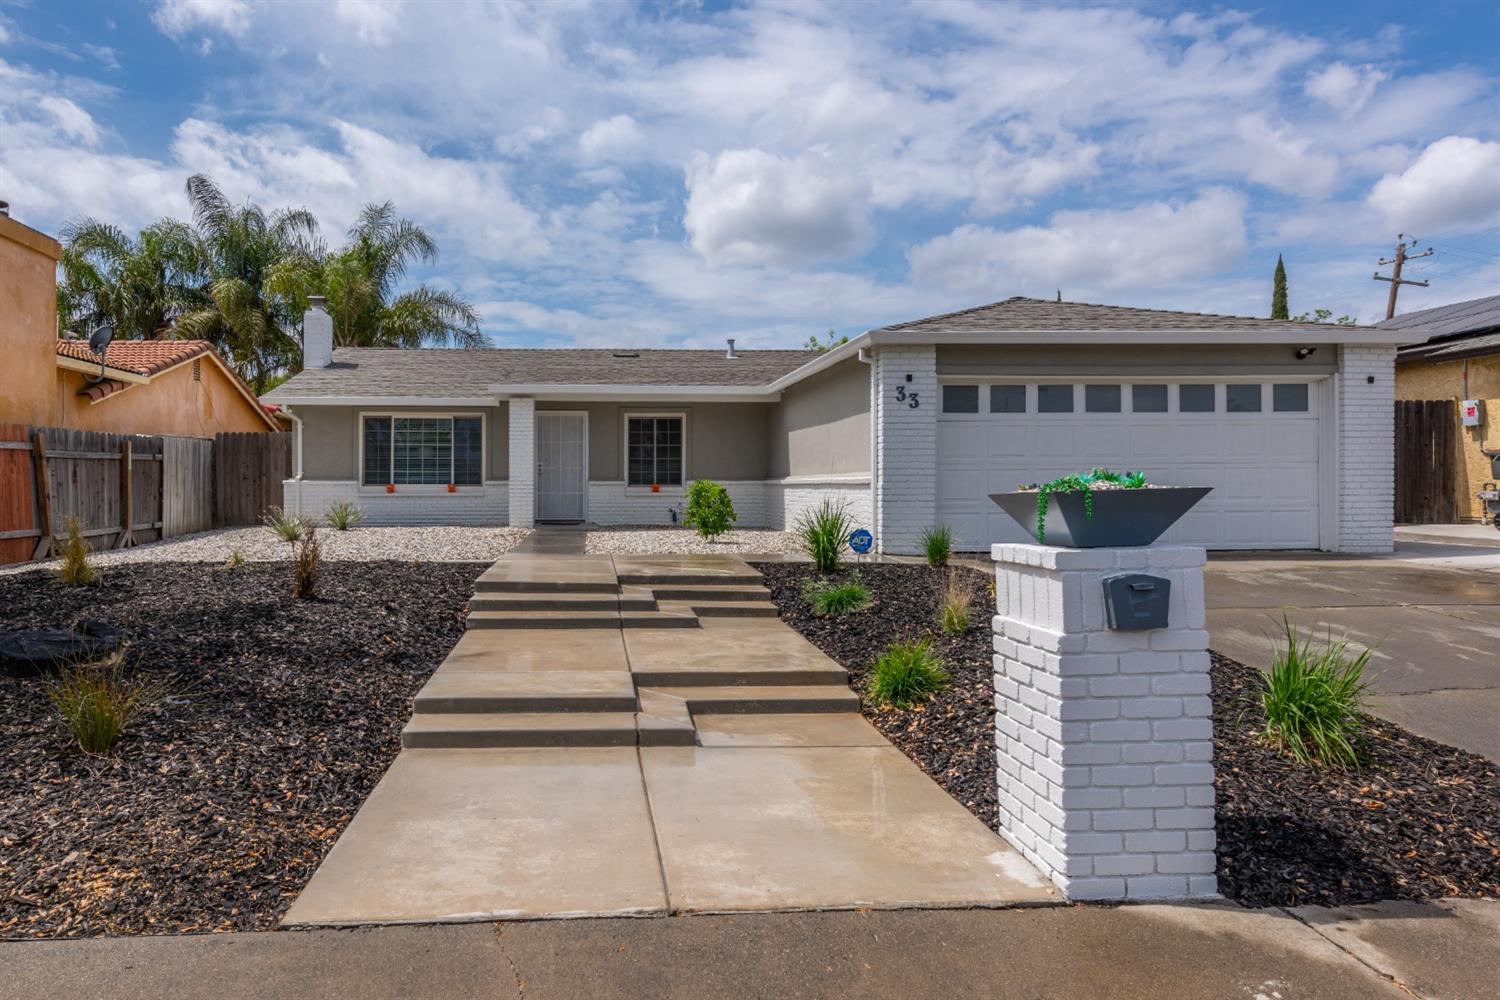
708 508
957 598
76 569
1083 482
937 544
1314 698
829 598
284 525
824 531
344 514
307 563
907 673
97 702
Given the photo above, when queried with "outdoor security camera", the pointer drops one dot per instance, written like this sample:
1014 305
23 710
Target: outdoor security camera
1303 353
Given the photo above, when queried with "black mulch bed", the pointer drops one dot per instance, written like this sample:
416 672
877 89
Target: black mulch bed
213 812
1420 820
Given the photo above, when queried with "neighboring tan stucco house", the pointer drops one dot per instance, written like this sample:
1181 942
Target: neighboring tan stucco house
1453 352
910 425
28 323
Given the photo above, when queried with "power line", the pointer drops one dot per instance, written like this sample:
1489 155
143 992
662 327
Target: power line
1397 262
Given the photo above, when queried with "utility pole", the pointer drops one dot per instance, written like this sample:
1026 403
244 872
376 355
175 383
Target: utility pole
1395 279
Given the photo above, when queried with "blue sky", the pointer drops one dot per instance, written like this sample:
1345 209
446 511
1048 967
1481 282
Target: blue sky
677 173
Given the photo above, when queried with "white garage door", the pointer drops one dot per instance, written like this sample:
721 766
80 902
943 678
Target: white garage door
1255 443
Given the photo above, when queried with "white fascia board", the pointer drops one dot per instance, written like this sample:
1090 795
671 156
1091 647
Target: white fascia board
369 401
92 368
1321 333
678 393
827 359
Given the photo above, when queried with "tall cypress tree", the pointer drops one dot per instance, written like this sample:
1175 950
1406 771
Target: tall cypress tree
1278 291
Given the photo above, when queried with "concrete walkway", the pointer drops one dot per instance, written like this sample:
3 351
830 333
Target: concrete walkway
1432 951
1430 613
630 736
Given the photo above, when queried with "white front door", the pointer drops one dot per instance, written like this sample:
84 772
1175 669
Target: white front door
1256 442
562 466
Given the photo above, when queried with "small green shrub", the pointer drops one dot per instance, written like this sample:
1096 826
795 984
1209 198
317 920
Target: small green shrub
343 515
829 598
708 508
937 544
1314 697
97 702
306 564
284 525
236 559
76 570
907 673
957 598
825 534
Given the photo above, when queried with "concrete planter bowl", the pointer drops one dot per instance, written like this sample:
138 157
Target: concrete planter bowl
1121 517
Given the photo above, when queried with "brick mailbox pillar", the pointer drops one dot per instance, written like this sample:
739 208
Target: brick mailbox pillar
1103 733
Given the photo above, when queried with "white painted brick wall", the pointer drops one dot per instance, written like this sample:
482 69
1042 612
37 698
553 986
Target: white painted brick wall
480 508
905 446
788 499
1104 738
612 502
523 462
1366 448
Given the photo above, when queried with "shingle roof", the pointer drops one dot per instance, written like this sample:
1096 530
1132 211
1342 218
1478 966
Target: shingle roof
367 371
1021 314
140 357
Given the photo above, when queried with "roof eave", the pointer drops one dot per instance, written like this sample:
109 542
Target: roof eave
92 368
1325 333
576 392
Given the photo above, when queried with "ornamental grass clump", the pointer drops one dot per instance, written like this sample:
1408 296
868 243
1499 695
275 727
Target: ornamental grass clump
1086 483
307 563
343 515
708 509
955 602
824 532
284 525
76 569
1314 699
937 544
907 673
830 599
97 702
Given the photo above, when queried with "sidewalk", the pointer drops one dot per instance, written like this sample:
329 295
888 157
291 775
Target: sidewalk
1396 950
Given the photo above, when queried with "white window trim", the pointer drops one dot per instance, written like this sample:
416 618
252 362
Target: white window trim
425 489
625 419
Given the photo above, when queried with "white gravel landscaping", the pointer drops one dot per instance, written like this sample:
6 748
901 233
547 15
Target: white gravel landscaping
361 544
680 541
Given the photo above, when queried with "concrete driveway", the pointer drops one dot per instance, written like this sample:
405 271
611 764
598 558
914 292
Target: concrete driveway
1430 612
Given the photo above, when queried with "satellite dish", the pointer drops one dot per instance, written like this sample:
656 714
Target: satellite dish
99 344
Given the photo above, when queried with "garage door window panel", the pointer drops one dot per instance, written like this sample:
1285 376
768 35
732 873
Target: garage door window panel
1242 398
1007 399
1289 397
1054 399
1101 399
960 399
1148 398
1196 398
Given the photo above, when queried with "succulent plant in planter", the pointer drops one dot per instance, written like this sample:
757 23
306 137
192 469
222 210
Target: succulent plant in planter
1134 512
1085 482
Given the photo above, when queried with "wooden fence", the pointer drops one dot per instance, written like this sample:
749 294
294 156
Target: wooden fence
128 489
1426 431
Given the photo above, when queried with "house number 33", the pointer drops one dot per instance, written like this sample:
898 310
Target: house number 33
909 398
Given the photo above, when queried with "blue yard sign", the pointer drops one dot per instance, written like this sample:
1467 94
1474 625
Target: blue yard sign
860 540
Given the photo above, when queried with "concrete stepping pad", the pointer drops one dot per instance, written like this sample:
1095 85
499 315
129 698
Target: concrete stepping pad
453 835
702 700
495 691
815 729
476 730
537 650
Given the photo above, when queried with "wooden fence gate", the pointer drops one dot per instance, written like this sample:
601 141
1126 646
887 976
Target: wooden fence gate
1426 467
248 472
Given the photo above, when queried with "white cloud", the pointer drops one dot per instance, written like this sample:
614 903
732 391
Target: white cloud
108 57
1454 184
71 120
1151 245
1342 87
176 18
747 206
374 21
611 138
1277 158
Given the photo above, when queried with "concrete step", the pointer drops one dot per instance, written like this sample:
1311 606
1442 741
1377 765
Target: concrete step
544 619
687 578
658 619
730 676
767 699
489 692
506 586
520 729
712 592
664 721
560 602
723 609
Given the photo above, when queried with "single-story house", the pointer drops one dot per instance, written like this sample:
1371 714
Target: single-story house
911 425
177 387
1453 352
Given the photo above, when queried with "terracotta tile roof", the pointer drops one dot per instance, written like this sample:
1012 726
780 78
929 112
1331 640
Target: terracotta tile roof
140 357
100 390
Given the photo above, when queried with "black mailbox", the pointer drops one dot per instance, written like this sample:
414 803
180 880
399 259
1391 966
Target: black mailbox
1135 602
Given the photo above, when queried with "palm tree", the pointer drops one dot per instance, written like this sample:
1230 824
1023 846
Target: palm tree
242 249
139 286
360 280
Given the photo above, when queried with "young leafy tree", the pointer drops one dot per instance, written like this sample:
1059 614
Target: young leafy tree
1323 316
828 343
1278 291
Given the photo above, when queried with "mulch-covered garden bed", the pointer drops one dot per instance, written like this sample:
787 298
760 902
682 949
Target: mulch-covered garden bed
1419 820
280 716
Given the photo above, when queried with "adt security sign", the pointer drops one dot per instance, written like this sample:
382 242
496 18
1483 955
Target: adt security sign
860 540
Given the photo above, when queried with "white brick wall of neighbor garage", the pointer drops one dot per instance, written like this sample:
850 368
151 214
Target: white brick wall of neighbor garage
1104 739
